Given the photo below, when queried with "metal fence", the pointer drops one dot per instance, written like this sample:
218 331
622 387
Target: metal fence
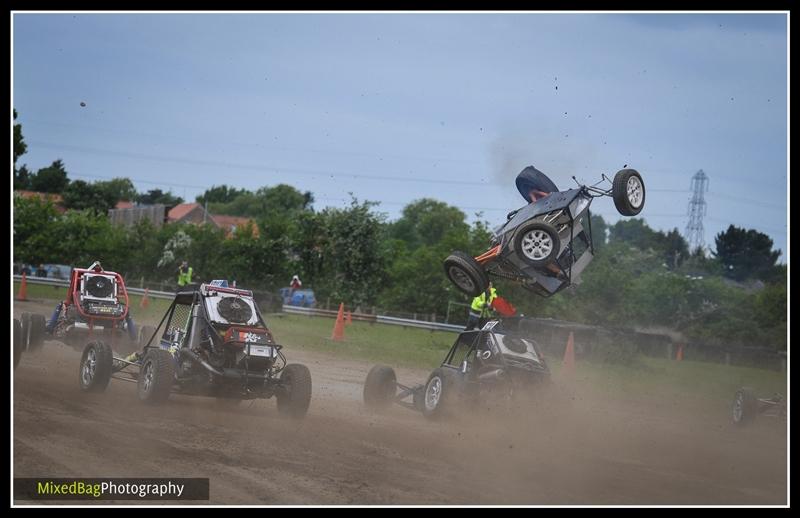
551 334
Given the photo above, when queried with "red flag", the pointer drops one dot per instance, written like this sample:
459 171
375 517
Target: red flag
503 307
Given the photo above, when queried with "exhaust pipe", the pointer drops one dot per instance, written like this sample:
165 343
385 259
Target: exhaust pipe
225 373
202 362
496 374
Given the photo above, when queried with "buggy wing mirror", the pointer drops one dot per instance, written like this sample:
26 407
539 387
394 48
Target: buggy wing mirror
464 367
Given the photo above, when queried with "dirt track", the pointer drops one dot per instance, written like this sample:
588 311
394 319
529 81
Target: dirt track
584 450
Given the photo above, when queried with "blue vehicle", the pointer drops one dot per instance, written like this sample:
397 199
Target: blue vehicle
300 298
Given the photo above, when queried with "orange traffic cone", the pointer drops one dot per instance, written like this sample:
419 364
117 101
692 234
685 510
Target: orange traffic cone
679 355
145 301
348 319
338 328
569 357
23 288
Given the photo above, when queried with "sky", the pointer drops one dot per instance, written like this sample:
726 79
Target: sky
397 107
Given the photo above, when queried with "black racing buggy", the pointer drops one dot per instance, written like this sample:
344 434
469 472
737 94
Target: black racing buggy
747 406
498 363
212 341
545 245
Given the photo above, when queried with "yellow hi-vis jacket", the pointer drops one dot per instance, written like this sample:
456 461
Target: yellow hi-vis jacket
185 277
479 303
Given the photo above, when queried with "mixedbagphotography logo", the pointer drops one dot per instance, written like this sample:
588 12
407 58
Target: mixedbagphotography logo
111 489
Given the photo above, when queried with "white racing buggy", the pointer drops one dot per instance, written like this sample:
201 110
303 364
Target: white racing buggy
498 364
212 341
545 245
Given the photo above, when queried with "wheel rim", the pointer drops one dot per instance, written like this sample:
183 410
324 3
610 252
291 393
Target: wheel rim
89 366
635 191
461 279
433 393
147 376
737 408
537 244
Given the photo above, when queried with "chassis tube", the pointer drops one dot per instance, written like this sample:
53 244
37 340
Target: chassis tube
225 373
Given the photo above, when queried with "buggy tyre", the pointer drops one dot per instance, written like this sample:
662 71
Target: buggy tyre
438 395
466 274
380 387
745 406
537 243
295 398
17 342
628 192
36 331
156 376
96 367
25 323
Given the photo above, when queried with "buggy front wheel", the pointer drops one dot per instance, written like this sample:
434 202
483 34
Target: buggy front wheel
745 406
466 273
156 376
628 192
96 367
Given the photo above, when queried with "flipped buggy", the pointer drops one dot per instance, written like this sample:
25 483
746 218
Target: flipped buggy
96 305
212 341
545 245
497 364
747 406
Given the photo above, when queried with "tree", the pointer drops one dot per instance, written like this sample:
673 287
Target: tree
675 249
19 141
50 179
157 196
117 189
599 232
221 194
22 179
352 266
80 195
428 222
745 254
35 230
672 247
266 202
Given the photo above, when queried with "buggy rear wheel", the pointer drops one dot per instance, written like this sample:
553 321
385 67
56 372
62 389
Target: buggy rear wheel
295 398
537 243
466 273
17 342
156 376
628 192
96 367
745 406
25 324
380 387
36 331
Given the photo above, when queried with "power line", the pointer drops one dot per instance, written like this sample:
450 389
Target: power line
250 144
312 172
229 165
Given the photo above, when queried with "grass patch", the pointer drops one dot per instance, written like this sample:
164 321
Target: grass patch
395 345
420 348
